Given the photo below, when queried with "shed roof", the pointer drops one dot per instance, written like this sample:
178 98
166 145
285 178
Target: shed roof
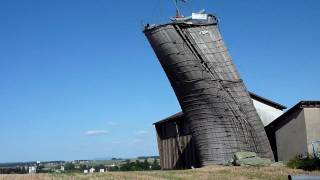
170 118
267 101
283 119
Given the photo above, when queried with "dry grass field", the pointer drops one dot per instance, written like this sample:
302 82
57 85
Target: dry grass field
213 172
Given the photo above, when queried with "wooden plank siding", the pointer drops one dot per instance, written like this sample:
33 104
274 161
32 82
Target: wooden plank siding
168 144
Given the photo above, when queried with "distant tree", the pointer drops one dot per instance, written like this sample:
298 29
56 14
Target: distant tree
40 169
155 165
146 165
69 167
24 170
83 167
137 166
15 170
125 167
113 168
99 166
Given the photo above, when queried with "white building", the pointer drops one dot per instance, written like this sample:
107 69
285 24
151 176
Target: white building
32 169
101 170
92 170
85 171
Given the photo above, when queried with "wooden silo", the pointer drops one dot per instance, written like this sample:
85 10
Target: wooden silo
213 97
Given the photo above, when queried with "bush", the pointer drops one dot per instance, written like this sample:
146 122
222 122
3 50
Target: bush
305 163
69 167
140 166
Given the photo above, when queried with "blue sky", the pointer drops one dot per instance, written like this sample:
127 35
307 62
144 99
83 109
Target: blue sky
78 79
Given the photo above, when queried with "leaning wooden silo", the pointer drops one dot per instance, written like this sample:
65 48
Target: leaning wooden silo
209 89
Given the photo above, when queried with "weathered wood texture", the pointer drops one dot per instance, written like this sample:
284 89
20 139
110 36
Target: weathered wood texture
176 152
212 96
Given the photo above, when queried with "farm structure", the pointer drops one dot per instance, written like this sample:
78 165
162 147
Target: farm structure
175 143
296 132
212 96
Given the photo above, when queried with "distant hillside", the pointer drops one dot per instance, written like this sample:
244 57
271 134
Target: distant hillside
148 157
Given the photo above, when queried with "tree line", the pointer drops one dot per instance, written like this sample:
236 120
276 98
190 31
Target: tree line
15 170
140 166
72 168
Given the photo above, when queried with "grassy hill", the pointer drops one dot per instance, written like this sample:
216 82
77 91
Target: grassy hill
213 172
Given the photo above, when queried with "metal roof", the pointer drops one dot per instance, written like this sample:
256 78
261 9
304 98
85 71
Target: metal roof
282 120
170 118
267 101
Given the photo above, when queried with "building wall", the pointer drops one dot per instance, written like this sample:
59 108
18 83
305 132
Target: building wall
171 157
267 113
291 139
312 117
176 152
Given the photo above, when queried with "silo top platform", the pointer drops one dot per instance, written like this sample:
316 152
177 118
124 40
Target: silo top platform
196 19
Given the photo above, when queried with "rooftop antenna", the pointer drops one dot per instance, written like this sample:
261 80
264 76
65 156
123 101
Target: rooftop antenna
178 12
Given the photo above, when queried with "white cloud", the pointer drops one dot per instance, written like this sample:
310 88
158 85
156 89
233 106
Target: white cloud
95 132
140 132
